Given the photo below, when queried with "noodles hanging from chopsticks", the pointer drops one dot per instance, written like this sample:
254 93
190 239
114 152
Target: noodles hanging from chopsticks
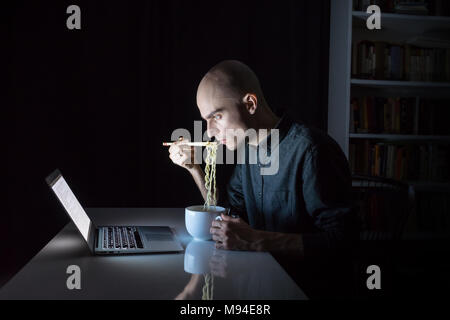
210 175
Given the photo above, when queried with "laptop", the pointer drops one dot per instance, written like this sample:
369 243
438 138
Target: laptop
112 240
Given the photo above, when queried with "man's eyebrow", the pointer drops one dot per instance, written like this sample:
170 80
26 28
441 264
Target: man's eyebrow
213 113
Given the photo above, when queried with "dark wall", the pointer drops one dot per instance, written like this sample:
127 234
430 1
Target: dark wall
98 102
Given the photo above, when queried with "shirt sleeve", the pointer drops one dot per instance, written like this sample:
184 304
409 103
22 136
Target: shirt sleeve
326 188
235 195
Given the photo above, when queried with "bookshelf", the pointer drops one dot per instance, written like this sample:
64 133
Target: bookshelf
403 24
348 26
422 186
399 84
399 137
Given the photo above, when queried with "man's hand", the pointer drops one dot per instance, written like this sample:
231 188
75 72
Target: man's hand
182 154
235 234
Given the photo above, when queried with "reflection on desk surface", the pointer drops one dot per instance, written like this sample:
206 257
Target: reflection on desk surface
220 274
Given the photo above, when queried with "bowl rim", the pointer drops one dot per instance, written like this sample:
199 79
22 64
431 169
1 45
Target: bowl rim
199 209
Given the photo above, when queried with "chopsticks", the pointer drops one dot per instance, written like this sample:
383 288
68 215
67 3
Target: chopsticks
192 144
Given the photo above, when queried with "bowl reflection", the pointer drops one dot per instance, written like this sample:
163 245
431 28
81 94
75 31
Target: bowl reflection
198 256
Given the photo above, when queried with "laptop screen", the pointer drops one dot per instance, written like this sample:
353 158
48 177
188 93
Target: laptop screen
72 206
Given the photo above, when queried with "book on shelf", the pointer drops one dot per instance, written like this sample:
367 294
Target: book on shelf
394 160
399 115
385 5
431 39
415 7
385 61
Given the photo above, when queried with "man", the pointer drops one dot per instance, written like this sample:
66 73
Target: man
304 208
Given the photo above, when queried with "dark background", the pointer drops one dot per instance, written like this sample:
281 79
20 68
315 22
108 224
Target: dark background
97 102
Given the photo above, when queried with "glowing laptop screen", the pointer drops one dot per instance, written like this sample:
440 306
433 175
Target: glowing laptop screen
72 206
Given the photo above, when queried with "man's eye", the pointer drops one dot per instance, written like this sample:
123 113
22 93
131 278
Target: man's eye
217 117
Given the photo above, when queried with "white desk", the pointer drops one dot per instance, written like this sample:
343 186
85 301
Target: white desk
236 274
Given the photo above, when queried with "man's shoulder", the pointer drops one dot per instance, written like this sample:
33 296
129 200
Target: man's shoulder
308 137
317 144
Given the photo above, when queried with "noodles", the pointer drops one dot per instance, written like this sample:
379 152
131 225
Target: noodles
211 200
208 288
210 175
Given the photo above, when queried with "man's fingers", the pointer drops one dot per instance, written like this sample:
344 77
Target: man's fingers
180 150
181 143
219 245
178 145
186 148
216 231
174 149
223 246
218 224
229 218
172 157
176 158
184 159
225 217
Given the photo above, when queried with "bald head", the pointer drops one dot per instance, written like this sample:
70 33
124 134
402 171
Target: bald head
229 98
229 79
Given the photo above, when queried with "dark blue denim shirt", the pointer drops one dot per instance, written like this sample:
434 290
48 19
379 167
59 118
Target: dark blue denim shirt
309 195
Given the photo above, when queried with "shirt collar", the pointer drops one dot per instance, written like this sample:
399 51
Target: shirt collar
283 126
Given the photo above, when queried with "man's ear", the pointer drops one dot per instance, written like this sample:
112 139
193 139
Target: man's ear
251 103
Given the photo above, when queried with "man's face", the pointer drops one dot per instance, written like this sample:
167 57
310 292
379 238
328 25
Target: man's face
224 114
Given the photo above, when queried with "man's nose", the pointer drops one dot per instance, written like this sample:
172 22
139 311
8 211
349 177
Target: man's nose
211 131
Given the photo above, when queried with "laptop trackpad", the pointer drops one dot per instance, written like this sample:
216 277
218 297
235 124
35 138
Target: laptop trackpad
158 238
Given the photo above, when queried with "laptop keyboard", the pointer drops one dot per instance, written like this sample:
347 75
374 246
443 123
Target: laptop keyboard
121 238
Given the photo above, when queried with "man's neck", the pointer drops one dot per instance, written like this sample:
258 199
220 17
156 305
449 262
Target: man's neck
267 122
